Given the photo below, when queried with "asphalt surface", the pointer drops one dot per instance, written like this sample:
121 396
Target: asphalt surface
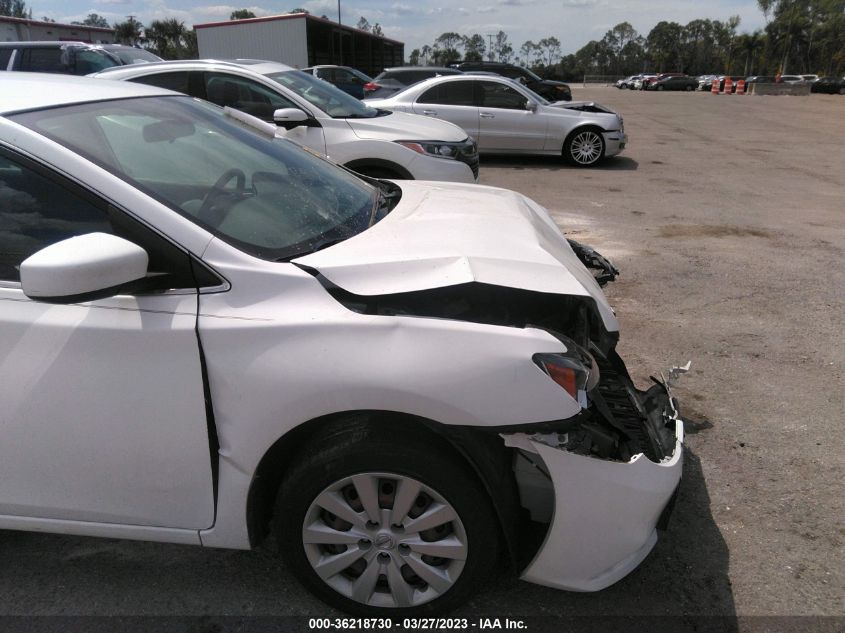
725 216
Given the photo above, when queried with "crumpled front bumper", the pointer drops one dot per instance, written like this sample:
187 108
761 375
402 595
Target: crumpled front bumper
605 512
614 142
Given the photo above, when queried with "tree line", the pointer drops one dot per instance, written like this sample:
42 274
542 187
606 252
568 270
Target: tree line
800 36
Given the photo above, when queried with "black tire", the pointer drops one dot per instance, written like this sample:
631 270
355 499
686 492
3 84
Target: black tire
660 88
689 88
379 454
577 138
842 91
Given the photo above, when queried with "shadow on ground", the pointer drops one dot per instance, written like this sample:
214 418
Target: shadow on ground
554 163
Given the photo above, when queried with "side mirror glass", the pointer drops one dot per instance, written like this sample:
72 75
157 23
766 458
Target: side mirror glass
82 268
530 105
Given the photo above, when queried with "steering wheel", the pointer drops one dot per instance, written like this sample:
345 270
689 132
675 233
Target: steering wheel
217 190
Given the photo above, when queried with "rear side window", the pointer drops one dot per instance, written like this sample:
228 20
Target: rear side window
5 56
451 93
44 60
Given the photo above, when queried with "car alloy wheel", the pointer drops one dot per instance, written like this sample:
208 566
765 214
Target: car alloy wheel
384 540
585 148
382 523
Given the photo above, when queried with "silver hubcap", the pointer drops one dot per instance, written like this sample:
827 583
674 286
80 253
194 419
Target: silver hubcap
384 540
586 148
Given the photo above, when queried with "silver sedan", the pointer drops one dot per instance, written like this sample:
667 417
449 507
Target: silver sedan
508 118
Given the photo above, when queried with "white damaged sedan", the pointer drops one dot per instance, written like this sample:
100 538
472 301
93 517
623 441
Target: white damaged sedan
207 335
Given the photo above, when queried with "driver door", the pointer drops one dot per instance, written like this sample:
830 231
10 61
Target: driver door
103 415
505 125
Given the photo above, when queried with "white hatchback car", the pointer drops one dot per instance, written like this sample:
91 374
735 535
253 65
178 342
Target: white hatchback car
505 117
322 117
206 333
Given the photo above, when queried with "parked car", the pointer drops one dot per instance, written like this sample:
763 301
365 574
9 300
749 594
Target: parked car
627 82
350 80
640 82
705 82
734 79
792 79
547 88
830 85
810 78
758 79
674 83
208 333
650 79
392 80
322 117
505 117
71 58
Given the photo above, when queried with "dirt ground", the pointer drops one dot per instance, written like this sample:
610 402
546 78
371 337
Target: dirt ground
726 216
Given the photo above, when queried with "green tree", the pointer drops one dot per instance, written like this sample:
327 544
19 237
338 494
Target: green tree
94 19
377 30
549 48
129 32
414 59
15 9
363 24
241 14
474 48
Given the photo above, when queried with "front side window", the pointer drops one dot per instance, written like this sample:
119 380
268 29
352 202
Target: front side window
496 95
244 95
178 81
328 98
36 212
44 60
270 198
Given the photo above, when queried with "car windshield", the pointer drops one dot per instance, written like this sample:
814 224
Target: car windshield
270 198
331 100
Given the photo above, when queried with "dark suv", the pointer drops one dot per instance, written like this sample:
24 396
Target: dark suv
392 80
546 88
69 58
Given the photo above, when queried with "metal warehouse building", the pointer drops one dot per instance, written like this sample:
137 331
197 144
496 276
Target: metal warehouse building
299 40
24 30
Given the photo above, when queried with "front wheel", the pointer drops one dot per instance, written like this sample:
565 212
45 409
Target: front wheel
382 529
584 148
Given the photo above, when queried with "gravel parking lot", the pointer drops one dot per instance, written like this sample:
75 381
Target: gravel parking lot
725 215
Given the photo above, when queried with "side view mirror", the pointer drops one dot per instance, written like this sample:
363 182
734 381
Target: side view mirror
289 118
82 268
530 105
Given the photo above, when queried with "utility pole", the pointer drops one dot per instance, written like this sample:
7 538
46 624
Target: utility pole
490 48
338 12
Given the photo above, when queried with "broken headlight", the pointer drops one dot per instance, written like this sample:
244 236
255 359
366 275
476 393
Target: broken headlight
575 370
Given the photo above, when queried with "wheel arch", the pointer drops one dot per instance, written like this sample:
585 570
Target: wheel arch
483 452
587 125
362 165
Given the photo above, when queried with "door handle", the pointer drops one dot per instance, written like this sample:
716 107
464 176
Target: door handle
485 115
430 112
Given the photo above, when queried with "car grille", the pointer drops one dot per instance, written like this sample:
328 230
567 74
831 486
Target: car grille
468 153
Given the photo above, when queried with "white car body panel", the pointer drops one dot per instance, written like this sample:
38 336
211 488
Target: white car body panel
121 446
511 131
137 453
342 140
601 543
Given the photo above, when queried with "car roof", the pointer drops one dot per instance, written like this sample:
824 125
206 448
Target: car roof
56 43
259 66
32 91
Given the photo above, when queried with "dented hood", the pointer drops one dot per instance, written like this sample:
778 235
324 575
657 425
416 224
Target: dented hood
443 234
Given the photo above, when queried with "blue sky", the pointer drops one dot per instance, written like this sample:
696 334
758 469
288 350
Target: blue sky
573 22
